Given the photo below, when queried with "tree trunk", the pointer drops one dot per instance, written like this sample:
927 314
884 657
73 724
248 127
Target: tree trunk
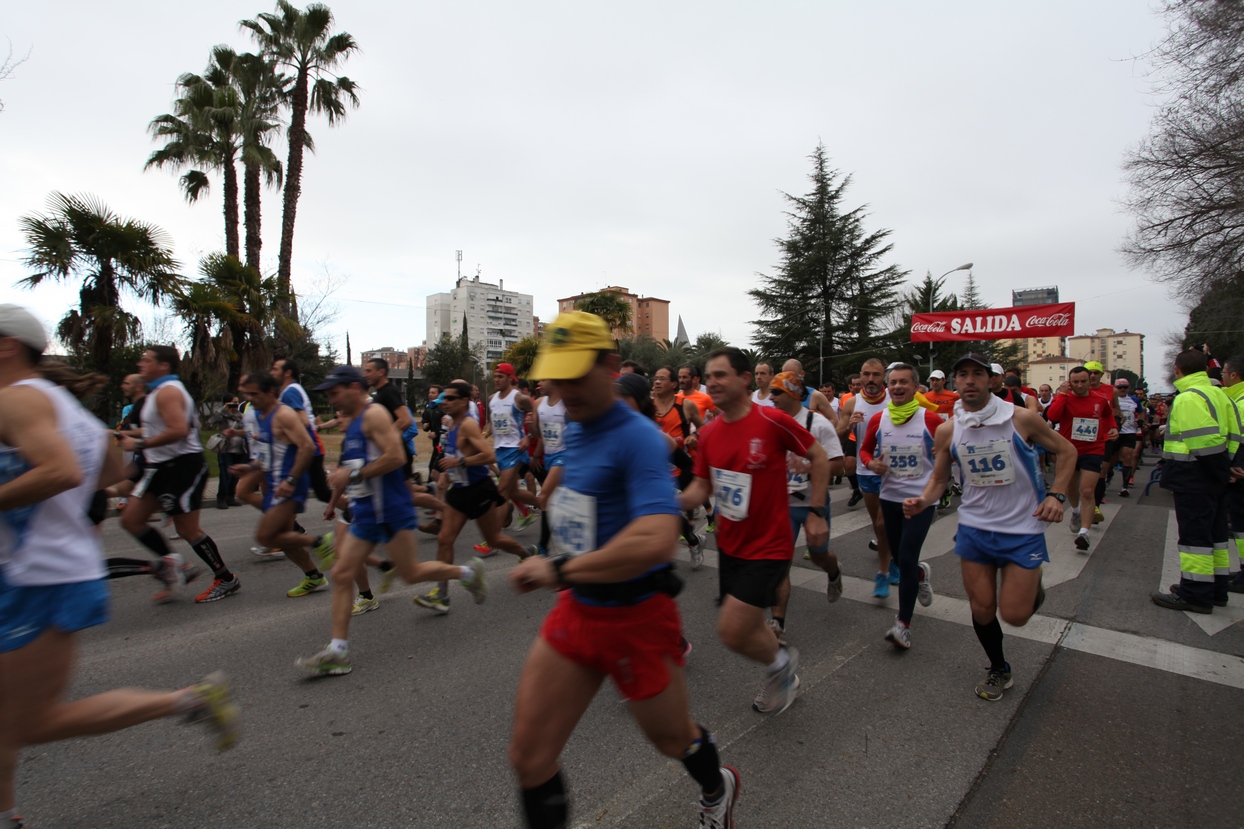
107 295
251 189
293 188
231 209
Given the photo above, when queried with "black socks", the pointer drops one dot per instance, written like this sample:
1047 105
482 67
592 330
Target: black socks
206 550
153 540
545 805
702 763
990 637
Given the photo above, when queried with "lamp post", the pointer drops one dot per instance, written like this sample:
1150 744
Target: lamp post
966 267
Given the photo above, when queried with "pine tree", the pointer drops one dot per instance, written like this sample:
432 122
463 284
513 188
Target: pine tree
831 297
1003 352
349 353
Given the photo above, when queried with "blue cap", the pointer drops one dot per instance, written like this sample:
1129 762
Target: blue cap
342 376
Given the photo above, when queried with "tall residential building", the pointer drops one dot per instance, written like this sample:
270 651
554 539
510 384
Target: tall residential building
649 316
1114 349
1035 296
494 317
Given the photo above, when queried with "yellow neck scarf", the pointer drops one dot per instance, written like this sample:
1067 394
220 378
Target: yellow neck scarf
901 414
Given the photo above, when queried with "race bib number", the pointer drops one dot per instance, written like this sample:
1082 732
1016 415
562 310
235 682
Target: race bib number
987 464
906 461
457 475
573 519
263 455
363 488
1084 429
551 434
734 492
502 425
796 481
140 489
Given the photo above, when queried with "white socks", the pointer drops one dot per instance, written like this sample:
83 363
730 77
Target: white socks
339 646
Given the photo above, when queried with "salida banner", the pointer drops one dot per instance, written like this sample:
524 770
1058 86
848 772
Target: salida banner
1055 320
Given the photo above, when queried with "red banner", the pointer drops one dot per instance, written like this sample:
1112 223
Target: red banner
1055 320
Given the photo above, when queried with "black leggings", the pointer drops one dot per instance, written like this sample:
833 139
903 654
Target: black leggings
906 537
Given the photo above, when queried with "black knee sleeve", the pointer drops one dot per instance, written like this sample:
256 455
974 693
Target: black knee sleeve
153 540
545 806
702 763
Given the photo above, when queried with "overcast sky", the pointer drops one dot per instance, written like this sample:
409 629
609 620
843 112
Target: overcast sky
568 146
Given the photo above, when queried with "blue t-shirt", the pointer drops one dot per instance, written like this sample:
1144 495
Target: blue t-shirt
617 470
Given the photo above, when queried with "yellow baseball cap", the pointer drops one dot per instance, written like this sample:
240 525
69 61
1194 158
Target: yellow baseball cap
1094 365
569 347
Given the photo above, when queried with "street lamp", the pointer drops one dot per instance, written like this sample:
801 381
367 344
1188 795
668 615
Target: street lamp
966 267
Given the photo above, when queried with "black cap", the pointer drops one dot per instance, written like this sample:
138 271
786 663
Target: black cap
342 376
972 357
1012 380
632 385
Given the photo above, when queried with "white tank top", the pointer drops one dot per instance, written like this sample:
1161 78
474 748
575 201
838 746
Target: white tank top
908 448
53 541
1002 483
762 401
552 426
153 425
507 426
868 410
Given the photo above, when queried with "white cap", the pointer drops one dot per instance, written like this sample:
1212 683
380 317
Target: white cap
937 375
996 368
892 365
16 321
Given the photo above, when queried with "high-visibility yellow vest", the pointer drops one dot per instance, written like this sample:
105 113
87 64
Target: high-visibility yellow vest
1203 421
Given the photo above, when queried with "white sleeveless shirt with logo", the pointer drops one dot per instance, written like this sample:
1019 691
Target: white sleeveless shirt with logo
868 410
1002 484
153 425
53 541
507 428
552 419
908 449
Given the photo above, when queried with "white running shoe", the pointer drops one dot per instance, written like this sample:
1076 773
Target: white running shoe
721 814
925 593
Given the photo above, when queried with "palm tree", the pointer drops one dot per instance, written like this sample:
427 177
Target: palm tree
80 238
260 92
301 40
202 308
521 355
202 133
611 307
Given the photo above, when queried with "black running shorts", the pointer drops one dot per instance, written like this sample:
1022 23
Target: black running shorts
751 581
475 499
177 484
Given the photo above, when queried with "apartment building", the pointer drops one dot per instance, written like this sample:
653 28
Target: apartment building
649 316
494 317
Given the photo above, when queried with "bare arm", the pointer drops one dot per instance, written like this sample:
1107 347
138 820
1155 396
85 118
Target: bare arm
473 446
843 423
28 424
818 402
113 470
695 494
1033 428
403 419
692 412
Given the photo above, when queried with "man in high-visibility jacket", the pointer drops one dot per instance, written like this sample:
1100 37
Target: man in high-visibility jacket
1202 446
1233 385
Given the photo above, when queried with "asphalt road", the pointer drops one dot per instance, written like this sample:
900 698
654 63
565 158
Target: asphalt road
1119 713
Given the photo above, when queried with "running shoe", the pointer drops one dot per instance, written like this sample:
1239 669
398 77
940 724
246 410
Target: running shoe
944 503
924 593
778 631
992 686
855 498
1082 541
387 578
1073 523
216 709
881 586
720 815
872 544
833 589
268 552
697 556
1123 493
433 600
894 574
477 584
170 573
431 528
686 649
1097 516
525 521
326 663
529 551
780 688
325 555
362 605
219 589
484 550
307 585
190 572
710 527
899 636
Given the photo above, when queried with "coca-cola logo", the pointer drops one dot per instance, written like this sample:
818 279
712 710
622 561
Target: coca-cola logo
1052 321
929 327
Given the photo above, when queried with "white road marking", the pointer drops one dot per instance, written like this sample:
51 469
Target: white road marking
1222 617
1221 668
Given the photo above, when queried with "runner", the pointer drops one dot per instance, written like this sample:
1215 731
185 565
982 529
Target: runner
505 418
371 475
689 385
763 374
376 370
1002 487
898 446
742 458
471 493
940 396
551 427
786 390
812 399
1106 392
54 456
295 396
1086 420
673 415
615 525
282 451
856 413
1202 450
854 384
1129 429
173 478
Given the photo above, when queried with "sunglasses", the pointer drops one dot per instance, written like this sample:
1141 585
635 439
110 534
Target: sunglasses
447 399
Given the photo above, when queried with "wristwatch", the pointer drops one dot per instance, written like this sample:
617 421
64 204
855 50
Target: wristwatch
558 563
819 512
1057 496
356 475
291 480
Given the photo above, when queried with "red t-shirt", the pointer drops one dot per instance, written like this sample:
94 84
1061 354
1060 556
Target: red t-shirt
752 453
1077 417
